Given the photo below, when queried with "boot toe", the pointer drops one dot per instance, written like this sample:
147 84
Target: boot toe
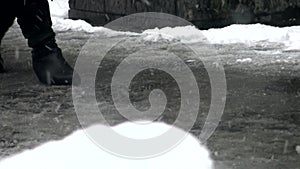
54 70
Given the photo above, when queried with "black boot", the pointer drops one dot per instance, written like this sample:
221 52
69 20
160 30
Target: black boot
1 65
50 66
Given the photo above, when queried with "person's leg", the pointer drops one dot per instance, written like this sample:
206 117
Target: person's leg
35 22
48 62
6 20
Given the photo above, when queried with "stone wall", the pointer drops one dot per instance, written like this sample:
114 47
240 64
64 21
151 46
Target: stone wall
203 13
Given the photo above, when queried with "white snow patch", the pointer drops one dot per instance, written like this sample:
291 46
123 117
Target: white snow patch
255 33
59 8
59 14
245 60
157 37
60 24
77 151
293 34
246 34
186 34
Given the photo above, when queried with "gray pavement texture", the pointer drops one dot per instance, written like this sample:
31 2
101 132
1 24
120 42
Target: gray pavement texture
260 127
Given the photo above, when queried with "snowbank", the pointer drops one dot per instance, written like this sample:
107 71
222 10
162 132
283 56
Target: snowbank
252 34
187 34
247 34
59 14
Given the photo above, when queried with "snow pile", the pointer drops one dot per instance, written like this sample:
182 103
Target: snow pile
186 34
59 13
157 37
293 42
246 34
60 24
77 151
253 34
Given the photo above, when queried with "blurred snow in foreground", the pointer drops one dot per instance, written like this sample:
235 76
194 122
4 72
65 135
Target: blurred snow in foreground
246 34
79 151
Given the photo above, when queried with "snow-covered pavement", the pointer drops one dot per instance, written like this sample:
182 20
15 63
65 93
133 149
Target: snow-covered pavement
260 125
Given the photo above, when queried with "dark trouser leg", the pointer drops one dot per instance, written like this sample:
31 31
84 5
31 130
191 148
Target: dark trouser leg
6 20
35 22
47 60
